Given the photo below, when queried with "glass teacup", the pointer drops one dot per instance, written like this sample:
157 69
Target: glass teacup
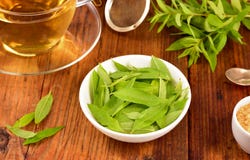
32 27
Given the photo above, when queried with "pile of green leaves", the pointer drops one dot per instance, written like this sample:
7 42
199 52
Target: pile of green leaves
42 110
205 25
136 100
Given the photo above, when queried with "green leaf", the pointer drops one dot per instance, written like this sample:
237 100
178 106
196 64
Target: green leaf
246 23
220 41
20 132
236 4
235 35
24 120
148 117
137 96
218 10
160 65
43 107
162 5
94 80
210 56
103 75
178 19
168 118
104 118
182 43
162 89
161 27
185 9
42 135
214 21
120 67
240 16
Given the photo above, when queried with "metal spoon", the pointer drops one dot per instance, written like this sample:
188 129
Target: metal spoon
126 15
239 76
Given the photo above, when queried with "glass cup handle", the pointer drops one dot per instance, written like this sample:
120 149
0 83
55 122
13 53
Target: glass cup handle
80 3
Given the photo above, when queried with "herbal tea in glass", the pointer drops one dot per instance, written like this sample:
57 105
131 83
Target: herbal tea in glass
32 27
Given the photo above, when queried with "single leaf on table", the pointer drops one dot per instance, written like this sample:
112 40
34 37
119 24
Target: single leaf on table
43 107
24 120
20 132
42 135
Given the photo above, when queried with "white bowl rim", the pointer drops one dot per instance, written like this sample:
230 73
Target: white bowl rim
244 101
135 136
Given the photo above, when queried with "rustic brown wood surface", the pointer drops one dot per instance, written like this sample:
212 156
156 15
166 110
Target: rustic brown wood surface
204 133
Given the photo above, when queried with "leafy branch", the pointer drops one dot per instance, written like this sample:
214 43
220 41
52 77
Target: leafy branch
205 25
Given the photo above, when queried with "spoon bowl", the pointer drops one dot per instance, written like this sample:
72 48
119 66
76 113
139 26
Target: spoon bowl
239 76
126 15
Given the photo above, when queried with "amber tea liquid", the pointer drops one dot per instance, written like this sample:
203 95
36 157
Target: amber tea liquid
34 26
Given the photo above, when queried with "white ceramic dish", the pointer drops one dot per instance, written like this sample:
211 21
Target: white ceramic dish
137 61
239 133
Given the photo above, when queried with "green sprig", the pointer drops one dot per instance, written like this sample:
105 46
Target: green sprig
205 25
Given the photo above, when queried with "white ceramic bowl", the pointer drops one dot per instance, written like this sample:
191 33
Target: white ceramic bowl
239 133
137 61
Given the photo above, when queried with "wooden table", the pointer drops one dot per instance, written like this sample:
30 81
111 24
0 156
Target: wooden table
204 133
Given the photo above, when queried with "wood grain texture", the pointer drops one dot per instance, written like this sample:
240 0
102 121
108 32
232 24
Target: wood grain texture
204 133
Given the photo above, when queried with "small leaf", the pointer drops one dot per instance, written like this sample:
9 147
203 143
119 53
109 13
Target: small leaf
104 118
148 117
246 23
162 5
20 132
210 56
214 20
43 107
178 19
138 96
103 75
160 65
120 67
236 4
42 135
185 8
162 89
182 43
220 41
168 118
218 10
24 120
161 27
94 80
